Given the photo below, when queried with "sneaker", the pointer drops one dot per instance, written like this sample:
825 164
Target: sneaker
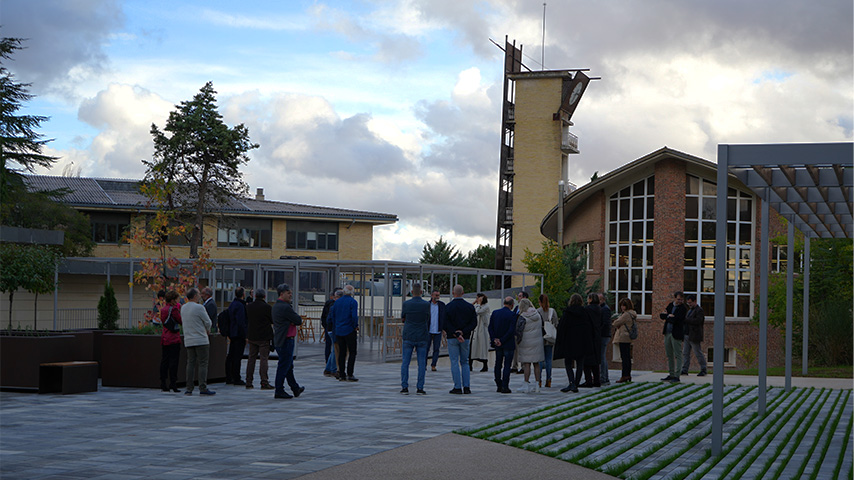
667 378
467 390
566 389
207 392
188 393
421 392
267 386
352 379
701 374
299 391
404 391
536 388
239 382
456 391
284 395
249 386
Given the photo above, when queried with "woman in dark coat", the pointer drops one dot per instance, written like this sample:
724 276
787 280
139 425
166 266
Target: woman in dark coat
593 354
572 341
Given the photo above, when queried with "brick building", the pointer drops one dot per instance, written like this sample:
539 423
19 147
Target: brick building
649 230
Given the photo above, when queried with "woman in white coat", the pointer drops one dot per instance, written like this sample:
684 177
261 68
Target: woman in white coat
530 348
549 315
480 335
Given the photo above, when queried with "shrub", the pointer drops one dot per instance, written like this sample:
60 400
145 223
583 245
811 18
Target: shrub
831 334
108 309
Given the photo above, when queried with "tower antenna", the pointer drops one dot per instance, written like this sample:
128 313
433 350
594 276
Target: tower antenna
543 53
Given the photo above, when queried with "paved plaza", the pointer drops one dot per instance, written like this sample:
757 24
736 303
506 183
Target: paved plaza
127 433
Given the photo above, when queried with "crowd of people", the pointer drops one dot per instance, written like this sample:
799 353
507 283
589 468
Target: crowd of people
525 339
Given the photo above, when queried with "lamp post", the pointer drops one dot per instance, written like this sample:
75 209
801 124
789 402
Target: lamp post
560 194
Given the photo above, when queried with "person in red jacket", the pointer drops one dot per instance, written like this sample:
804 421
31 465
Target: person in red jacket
170 342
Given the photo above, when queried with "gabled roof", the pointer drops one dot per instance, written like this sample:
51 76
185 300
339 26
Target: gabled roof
624 174
122 194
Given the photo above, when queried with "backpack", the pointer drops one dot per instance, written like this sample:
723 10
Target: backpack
633 332
171 324
223 323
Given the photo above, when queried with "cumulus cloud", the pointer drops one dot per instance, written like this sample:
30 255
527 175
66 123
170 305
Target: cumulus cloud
71 35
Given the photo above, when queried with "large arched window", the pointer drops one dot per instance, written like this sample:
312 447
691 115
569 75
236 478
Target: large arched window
700 198
630 248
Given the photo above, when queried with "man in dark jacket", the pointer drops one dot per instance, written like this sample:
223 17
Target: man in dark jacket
606 337
694 320
415 313
460 321
259 316
593 355
236 338
673 330
502 334
283 339
345 313
210 305
437 318
328 323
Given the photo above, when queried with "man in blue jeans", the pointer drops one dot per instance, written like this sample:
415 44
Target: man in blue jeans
283 317
437 319
416 320
460 321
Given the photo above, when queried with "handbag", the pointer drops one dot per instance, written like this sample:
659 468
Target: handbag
170 323
551 332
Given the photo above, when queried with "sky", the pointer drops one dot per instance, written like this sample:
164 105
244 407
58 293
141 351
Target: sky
394 106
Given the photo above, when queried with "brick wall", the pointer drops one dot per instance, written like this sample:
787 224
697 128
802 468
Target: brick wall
669 236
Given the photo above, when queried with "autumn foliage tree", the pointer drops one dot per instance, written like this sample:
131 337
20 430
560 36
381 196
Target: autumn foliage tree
163 270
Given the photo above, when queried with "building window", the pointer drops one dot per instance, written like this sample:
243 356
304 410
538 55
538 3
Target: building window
700 239
245 232
109 227
778 259
630 245
587 252
312 236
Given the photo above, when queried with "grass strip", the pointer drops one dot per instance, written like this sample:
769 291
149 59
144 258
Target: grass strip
694 440
599 402
479 432
735 438
843 397
771 430
798 437
582 418
844 449
673 408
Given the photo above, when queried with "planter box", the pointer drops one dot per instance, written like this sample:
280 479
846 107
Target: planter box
134 361
20 356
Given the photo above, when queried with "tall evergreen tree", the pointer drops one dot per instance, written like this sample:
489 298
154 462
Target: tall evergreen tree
202 156
441 253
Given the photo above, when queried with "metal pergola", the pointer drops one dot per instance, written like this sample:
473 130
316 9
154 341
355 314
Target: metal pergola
811 186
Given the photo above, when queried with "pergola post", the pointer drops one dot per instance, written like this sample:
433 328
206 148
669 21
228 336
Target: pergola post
806 332
720 303
763 305
55 294
790 289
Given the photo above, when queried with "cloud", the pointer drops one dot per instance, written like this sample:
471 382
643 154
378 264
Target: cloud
71 34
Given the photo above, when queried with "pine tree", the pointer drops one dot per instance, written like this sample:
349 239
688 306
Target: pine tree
202 156
108 309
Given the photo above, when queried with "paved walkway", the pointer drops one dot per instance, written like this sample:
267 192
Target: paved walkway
124 433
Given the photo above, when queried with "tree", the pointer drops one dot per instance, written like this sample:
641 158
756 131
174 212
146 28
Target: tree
163 271
108 309
441 253
21 149
481 257
564 271
27 267
202 156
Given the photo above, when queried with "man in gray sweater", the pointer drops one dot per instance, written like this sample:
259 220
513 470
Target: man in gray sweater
196 326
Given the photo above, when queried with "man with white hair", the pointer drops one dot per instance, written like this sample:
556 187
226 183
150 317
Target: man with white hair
345 312
196 325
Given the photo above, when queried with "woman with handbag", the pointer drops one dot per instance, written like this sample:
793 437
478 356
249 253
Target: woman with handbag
550 322
530 347
170 341
622 337
480 335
